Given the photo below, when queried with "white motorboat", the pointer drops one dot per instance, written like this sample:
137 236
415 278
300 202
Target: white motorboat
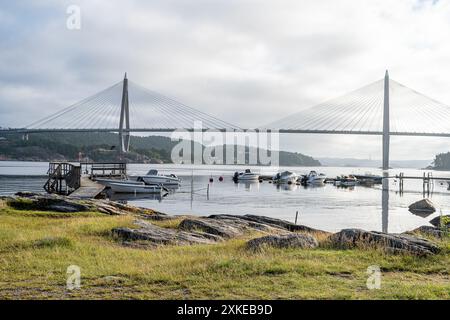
118 187
107 182
247 175
285 177
315 178
154 178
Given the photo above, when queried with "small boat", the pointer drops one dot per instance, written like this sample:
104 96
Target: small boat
107 182
348 181
120 187
369 178
154 178
247 175
315 178
285 177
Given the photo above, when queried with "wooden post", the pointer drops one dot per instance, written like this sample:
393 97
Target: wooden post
296 217
423 184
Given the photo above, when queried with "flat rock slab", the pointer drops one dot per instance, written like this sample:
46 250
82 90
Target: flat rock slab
51 202
267 222
227 227
292 240
155 235
395 243
205 230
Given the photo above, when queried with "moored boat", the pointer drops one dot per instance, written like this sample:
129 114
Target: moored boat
315 178
155 178
369 178
285 177
247 175
119 187
349 181
107 182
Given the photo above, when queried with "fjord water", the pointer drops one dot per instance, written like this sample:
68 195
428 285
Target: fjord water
324 207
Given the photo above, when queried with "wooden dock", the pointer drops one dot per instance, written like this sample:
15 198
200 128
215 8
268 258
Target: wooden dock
63 178
427 181
88 189
67 179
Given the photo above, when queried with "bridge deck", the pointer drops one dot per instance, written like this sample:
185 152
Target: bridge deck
88 190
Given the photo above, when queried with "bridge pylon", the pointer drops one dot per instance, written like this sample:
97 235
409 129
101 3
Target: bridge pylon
124 123
386 123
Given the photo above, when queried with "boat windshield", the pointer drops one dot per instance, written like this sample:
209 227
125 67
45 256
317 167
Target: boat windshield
152 172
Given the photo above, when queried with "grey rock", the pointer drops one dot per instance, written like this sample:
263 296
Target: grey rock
293 240
395 243
158 217
109 209
26 194
51 202
59 204
422 208
227 227
216 228
437 221
270 222
62 208
161 236
219 228
429 231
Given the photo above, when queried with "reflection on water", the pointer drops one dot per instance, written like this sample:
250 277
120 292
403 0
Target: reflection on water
248 185
326 207
385 203
126 197
287 187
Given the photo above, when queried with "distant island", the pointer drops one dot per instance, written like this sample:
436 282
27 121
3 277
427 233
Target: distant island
103 147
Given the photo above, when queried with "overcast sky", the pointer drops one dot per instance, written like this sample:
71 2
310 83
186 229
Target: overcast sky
248 62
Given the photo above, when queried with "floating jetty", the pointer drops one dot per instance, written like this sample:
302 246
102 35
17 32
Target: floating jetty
69 179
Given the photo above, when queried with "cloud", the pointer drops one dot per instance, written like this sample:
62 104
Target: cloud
248 62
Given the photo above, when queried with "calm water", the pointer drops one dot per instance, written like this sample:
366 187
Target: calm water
326 207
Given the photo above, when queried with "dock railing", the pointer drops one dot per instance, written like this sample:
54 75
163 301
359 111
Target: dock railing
106 169
63 178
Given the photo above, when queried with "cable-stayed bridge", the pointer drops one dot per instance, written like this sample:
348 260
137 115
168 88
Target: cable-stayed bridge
384 108
362 112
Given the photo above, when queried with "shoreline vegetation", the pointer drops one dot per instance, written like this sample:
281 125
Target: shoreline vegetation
126 252
441 162
102 147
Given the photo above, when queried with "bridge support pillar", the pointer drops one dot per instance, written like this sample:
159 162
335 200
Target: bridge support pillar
124 133
386 125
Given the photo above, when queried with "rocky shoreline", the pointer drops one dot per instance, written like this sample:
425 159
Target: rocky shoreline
260 231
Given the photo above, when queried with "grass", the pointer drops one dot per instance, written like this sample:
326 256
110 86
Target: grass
36 248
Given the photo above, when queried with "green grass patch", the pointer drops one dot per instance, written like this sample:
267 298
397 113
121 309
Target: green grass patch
36 249
53 242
